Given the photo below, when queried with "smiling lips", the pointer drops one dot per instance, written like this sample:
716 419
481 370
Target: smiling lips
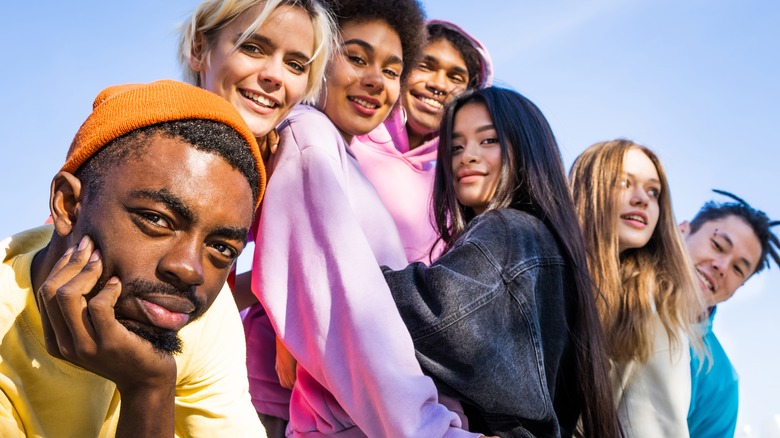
705 281
364 105
467 176
166 311
636 219
429 102
259 99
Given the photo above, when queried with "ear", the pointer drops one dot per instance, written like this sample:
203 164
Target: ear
685 228
65 202
198 53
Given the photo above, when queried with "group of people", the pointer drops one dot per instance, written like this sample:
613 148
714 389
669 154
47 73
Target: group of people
423 265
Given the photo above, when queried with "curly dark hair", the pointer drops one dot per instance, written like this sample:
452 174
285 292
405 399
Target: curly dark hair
466 48
406 17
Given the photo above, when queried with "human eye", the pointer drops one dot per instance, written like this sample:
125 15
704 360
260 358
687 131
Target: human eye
654 192
458 79
226 250
739 271
251 49
391 73
456 149
624 183
490 140
356 59
718 247
297 67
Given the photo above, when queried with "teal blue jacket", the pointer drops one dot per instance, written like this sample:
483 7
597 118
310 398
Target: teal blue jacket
714 392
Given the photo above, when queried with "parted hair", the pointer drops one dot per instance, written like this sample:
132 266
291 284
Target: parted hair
406 17
638 283
211 16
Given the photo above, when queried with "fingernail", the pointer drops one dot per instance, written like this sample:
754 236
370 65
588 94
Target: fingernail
113 280
95 256
84 241
70 250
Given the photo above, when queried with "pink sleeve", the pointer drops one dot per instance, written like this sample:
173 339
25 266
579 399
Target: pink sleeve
321 284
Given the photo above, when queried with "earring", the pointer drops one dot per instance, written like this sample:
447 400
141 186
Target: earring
322 99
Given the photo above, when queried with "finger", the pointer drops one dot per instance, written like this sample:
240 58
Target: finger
101 310
72 301
68 266
57 334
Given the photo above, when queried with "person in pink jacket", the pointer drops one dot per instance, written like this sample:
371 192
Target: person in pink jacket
322 235
399 156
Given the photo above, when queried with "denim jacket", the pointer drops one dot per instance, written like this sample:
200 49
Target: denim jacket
491 321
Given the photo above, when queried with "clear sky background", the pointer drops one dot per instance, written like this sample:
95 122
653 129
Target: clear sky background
697 81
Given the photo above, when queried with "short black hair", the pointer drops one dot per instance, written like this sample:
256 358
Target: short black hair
204 135
756 219
438 31
406 17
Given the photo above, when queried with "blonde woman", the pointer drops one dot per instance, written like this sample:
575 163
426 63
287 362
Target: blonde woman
648 305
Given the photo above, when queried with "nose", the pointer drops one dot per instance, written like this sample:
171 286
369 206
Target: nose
437 82
271 73
182 265
470 154
719 265
372 78
639 197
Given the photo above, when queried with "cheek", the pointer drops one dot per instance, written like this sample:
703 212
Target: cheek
393 88
296 88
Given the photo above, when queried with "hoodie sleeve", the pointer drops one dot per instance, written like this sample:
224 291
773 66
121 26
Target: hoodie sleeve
320 282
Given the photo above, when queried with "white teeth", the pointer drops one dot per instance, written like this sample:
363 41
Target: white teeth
432 102
261 100
363 103
634 218
705 281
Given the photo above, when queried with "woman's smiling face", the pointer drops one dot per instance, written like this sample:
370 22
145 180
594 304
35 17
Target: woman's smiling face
266 75
363 81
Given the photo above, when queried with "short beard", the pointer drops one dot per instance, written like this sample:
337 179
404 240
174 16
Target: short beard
164 341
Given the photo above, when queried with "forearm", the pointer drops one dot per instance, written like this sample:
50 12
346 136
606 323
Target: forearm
147 412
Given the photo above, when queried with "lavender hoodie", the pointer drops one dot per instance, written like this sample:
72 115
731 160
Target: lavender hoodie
403 177
321 237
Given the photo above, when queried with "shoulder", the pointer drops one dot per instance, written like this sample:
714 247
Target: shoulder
306 127
513 235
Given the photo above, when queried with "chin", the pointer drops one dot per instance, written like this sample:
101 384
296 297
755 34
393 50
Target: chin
164 341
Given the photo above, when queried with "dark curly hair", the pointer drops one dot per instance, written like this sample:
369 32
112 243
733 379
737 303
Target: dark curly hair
465 47
757 219
406 17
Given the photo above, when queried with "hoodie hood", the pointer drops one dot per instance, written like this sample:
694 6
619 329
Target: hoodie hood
486 64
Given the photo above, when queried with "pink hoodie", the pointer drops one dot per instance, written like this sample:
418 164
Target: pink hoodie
320 239
403 177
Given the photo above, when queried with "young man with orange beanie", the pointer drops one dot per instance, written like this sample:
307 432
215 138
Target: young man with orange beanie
119 299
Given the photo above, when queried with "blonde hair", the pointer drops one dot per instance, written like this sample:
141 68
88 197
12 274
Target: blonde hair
210 16
657 278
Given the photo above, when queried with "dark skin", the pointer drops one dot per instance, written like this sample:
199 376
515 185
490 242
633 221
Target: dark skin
175 218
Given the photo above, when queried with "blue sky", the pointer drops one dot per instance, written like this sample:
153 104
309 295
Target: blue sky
696 81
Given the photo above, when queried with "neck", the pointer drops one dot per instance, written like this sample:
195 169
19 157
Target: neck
416 139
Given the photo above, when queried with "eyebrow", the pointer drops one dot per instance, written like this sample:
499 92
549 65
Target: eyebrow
480 129
369 48
170 200
655 180
262 39
178 206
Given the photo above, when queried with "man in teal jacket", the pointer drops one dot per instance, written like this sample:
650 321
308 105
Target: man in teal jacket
728 243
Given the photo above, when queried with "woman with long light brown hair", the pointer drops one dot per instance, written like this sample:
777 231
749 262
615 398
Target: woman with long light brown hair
649 303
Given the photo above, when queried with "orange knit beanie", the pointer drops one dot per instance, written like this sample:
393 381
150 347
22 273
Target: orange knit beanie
121 109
